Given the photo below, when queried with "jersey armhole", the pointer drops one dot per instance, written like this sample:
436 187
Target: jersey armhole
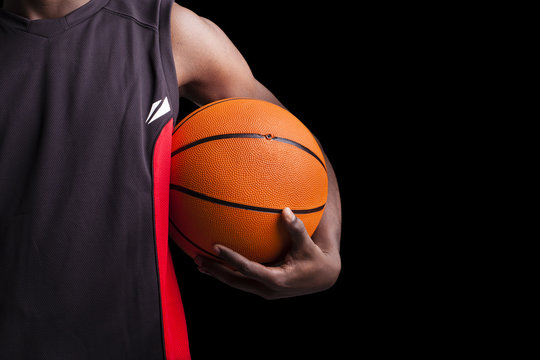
166 54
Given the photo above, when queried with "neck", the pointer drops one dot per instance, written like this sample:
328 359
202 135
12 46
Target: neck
43 9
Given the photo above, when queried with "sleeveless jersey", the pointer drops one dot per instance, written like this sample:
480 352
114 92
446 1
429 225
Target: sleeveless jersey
87 107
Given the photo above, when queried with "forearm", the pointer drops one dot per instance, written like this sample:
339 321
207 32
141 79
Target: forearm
328 234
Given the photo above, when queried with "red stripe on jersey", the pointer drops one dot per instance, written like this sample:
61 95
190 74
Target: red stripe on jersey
174 323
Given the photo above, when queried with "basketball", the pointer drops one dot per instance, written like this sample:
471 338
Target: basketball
235 165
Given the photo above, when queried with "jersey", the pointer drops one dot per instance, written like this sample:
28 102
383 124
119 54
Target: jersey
87 108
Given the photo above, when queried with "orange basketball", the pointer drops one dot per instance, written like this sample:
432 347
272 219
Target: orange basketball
236 164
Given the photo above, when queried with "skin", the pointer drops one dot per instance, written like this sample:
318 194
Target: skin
209 67
43 9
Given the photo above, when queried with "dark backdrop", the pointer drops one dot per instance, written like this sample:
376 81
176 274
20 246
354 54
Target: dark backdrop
304 55
365 81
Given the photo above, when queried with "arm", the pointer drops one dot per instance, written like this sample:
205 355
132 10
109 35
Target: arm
208 65
209 68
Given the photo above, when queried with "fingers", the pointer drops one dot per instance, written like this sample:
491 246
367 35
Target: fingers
245 266
268 282
233 278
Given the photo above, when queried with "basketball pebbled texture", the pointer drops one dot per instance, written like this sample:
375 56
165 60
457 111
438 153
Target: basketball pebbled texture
236 163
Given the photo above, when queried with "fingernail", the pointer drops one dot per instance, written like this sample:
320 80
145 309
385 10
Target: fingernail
289 215
217 250
198 261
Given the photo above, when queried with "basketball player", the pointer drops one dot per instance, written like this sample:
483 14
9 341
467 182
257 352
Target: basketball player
89 92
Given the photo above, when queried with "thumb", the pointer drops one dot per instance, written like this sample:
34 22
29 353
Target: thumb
297 230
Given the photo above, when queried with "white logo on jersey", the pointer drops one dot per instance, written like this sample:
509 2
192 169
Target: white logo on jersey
162 107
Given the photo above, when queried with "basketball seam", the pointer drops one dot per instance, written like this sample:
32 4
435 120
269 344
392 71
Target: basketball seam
245 136
301 147
200 248
238 205
189 241
212 138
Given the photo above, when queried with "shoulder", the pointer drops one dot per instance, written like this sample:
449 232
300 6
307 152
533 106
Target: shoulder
186 25
208 65
201 50
180 13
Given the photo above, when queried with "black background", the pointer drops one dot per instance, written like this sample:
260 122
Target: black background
307 56
380 86
384 87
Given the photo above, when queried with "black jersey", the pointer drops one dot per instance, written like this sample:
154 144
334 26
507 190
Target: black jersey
87 106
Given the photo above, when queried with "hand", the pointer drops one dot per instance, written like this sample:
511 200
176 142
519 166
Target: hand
306 268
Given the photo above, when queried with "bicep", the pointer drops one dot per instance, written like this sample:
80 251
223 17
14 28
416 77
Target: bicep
209 66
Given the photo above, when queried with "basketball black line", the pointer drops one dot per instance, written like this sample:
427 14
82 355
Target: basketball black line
189 241
212 138
200 248
301 147
240 206
202 108
248 135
